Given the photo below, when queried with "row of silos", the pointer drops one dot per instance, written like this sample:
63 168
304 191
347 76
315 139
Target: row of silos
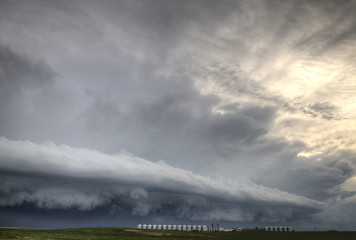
173 227
279 229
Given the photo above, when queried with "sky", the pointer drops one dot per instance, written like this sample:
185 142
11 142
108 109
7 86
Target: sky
115 113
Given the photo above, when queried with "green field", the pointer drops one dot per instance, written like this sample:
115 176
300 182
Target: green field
132 234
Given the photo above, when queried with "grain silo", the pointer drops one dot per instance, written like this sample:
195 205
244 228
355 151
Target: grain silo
194 228
179 227
199 228
139 226
204 228
164 227
189 228
174 227
159 226
154 226
144 226
169 227
184 228
149 226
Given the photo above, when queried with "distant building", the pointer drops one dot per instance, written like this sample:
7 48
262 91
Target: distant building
204 228
227 229
278 229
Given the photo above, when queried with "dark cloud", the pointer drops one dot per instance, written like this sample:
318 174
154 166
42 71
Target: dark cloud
220 91
128 182
315 182
20 73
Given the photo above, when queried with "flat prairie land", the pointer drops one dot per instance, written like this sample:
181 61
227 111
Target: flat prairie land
136 234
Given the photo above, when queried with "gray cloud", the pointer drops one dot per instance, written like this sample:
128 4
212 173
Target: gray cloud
146 185
315 182
233 91
19 73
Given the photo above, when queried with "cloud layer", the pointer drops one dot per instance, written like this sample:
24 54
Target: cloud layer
237 110
51 176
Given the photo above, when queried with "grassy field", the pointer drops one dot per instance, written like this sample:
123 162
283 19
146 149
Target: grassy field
134 234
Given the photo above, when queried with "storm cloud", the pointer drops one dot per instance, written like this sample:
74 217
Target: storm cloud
87 167
234 111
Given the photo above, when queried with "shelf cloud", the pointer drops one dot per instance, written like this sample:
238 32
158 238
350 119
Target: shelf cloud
235 111
52 176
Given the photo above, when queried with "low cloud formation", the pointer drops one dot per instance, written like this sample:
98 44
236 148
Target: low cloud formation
251 105
51 176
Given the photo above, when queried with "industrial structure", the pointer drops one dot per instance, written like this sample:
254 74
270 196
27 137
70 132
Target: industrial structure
279 229
175 227
217 228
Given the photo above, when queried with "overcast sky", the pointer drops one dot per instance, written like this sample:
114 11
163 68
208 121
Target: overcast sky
114 113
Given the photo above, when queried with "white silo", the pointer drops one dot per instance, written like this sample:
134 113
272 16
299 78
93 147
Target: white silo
194 228
159 226
280 228
184 228
290 229
139 226
164 227
199 228
204 228
189 228
154 226
174 227
275 229
179 227
144 226
169 227
149 226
